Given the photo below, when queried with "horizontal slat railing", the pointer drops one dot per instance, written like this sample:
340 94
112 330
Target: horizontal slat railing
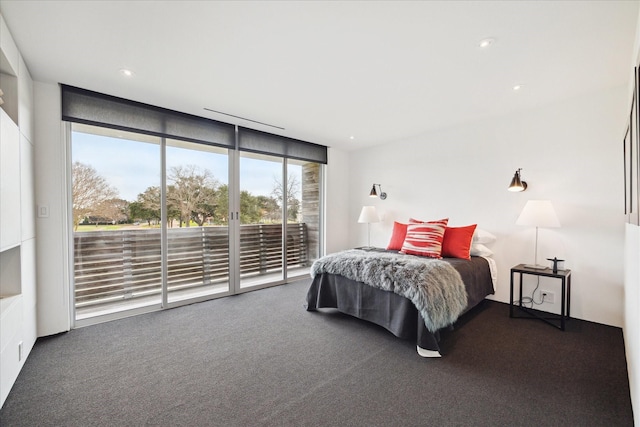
112 266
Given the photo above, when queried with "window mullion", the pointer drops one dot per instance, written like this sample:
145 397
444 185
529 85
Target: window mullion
164 221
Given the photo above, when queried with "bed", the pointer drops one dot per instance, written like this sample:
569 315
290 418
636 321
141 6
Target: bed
345 281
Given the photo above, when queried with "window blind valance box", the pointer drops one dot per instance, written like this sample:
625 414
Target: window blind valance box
266 143
98 109
93 108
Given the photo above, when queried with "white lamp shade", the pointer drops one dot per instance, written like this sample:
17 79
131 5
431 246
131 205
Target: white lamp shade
538 213
368 215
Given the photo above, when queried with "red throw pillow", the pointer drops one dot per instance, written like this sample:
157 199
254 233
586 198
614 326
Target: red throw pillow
457 241
425 239
397 236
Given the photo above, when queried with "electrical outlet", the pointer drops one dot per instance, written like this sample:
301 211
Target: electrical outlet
549 297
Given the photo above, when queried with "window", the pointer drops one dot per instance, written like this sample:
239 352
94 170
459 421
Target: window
170 208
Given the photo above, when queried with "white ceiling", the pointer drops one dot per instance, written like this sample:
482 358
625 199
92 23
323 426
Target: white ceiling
325 71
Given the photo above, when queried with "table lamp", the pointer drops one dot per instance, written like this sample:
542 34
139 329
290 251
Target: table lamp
538 213
367 216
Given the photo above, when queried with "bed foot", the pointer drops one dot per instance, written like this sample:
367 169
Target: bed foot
427 353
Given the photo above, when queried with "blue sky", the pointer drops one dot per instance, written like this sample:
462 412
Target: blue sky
132 166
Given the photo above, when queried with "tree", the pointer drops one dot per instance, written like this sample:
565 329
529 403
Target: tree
113 210
206 207
147 205
293 209
136 212
222 199
250 212
293 194
269 209
253 209
192 192
89 192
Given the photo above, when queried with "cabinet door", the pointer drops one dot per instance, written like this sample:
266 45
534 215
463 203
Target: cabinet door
9 182
27 190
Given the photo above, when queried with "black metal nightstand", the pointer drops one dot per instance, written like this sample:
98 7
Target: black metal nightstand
550 318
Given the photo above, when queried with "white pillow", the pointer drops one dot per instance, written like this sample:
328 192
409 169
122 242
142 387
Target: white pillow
483 237
478 249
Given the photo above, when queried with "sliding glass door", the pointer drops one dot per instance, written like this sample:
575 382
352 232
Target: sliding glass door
144 239
153 221
170 208
116 184
261 220
197 194
279 218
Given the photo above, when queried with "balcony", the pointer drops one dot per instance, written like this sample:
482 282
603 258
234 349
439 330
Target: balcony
122 268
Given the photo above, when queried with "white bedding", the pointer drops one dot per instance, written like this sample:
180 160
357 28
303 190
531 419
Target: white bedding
494 271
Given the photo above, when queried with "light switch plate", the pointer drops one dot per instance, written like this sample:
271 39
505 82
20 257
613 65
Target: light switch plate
43 211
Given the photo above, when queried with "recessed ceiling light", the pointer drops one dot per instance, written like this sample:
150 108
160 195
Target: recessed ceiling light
126 72
517 87
352 137
486 42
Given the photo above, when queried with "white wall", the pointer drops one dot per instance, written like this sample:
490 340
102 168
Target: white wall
52 272
337 201
632 278
569 153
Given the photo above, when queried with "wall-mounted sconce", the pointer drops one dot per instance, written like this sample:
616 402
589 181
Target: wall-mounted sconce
374 193
516 183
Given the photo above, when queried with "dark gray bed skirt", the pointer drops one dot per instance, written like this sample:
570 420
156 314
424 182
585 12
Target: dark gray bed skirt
393 312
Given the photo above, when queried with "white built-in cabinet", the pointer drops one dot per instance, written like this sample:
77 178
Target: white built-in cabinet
17 214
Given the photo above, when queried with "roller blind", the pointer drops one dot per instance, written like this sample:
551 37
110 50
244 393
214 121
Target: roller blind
275 145
94 108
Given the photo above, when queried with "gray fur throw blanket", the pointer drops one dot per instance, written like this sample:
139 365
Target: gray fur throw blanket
432 285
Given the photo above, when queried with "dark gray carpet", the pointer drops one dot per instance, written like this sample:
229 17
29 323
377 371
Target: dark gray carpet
260 359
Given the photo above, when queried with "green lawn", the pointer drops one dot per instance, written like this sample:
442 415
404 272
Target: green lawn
104 227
